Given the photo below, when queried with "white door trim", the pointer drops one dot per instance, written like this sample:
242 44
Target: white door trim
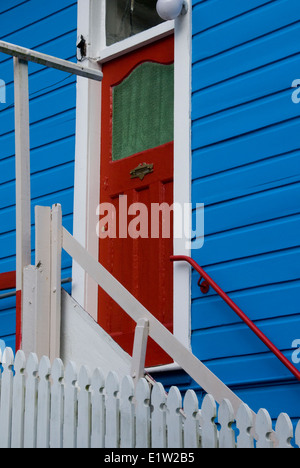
91 25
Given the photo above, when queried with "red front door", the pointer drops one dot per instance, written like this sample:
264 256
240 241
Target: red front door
136 177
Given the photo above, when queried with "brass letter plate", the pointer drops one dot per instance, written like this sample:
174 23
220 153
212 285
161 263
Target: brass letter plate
142 170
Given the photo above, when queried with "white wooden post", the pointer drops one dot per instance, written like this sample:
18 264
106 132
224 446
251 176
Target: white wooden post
43 265
22 171
29 310
36 290
42 286
139 349
55 294
35 334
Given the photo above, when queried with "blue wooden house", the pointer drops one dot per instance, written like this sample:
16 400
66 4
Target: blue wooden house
233 148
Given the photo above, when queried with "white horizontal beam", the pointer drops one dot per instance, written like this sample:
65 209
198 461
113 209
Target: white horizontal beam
49 61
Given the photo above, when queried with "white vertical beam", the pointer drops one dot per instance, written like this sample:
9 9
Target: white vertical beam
91 20
43 264
182 171
35 334
22 150
55 293
42 286
29 310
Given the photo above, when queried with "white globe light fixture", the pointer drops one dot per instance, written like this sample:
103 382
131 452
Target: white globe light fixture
171 9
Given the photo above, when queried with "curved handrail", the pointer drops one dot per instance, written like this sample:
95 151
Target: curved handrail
239 312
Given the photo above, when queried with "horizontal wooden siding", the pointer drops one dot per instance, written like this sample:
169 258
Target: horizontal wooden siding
246 170
48 27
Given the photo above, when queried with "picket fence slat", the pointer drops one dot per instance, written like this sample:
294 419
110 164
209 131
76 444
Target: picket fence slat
6 399
112 436
174 418
142 395
226 419
43 414
297 434
284 431
84 409
192 420
263 428
159 416
127 414
209 434
57 406
98 410
244 425
18 402
70 407
31 397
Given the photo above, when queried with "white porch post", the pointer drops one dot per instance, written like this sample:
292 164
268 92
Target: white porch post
91 17
55 293
42 286
22 151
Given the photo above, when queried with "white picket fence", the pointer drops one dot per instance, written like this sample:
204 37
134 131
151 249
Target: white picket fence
44 406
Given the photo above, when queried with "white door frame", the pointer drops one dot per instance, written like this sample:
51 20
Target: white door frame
91 25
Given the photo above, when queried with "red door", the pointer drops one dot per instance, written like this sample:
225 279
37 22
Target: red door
136 177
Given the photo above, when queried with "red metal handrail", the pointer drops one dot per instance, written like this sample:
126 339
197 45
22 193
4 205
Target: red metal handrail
239 312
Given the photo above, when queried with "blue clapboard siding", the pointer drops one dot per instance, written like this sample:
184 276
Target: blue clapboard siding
48 27
246 170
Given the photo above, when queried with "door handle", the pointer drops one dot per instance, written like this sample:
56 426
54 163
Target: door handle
141 171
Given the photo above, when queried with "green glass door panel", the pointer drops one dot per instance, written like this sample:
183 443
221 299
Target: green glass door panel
143 110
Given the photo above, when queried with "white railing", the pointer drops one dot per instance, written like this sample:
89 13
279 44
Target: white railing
22 145
57 406
42 309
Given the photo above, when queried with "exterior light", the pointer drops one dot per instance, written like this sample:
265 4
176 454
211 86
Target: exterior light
171 9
